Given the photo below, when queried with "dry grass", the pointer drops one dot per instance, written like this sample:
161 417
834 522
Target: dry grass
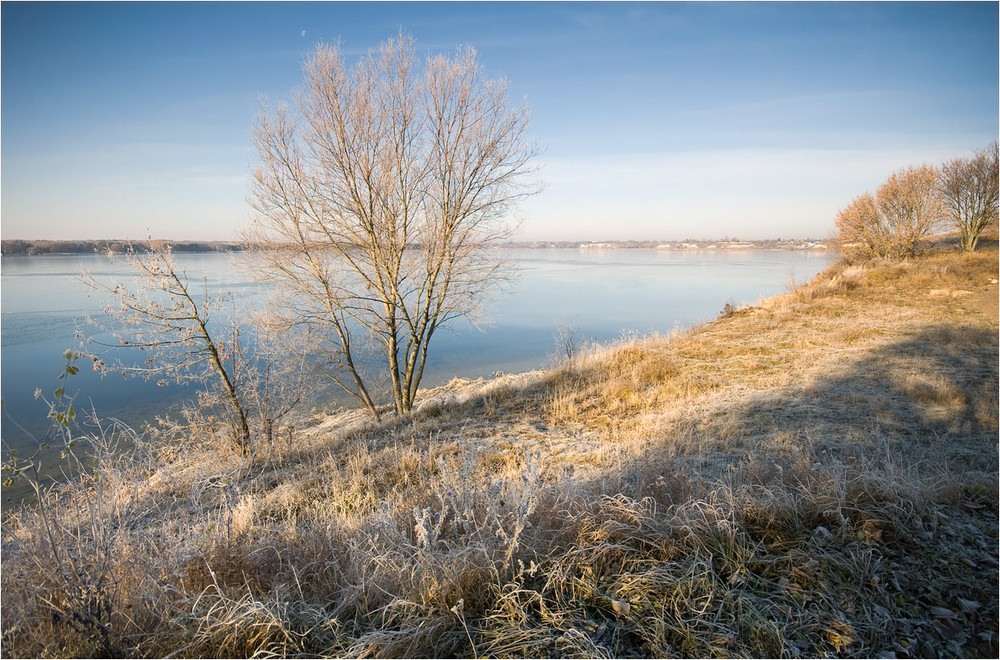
813 476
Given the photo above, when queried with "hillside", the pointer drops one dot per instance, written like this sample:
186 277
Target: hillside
815 475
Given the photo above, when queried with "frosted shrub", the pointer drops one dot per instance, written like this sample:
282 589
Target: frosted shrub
493 510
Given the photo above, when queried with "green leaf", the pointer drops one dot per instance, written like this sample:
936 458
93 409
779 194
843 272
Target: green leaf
58 393
8 482
72 371
70 412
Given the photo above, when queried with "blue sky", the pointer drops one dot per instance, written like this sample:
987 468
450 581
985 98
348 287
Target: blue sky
657 120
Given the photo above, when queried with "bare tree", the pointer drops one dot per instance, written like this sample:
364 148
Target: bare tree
162 316
969 188
567 341
375 203
892 222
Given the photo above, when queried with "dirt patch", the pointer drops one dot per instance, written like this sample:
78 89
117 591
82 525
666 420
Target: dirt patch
986 301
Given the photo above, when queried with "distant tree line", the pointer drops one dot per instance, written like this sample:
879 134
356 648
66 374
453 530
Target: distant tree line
103 246
893 222
757 243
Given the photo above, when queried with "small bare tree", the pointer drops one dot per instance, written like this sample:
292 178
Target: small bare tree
969 188
164 317
375 203
892 222
567 341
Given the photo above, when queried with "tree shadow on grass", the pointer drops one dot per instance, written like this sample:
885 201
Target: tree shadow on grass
886 463
936 390
931 399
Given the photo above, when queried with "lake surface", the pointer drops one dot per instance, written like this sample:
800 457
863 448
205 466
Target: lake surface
603 294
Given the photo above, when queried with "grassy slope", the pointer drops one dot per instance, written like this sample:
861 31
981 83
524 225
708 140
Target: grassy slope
814 475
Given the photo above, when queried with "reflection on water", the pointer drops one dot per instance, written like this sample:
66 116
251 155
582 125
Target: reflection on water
602 293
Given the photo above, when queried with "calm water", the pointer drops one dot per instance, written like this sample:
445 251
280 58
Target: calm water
602 293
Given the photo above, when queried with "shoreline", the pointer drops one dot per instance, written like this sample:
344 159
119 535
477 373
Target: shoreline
22 247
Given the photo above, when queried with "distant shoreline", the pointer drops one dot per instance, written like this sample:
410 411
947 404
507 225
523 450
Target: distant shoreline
21 247
686 244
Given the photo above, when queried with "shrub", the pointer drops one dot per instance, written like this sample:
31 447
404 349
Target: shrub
892 222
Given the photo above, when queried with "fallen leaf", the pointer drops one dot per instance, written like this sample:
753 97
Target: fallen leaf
942 612
949 628
621 607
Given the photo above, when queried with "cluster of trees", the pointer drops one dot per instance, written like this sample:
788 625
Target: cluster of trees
374 200
915 201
